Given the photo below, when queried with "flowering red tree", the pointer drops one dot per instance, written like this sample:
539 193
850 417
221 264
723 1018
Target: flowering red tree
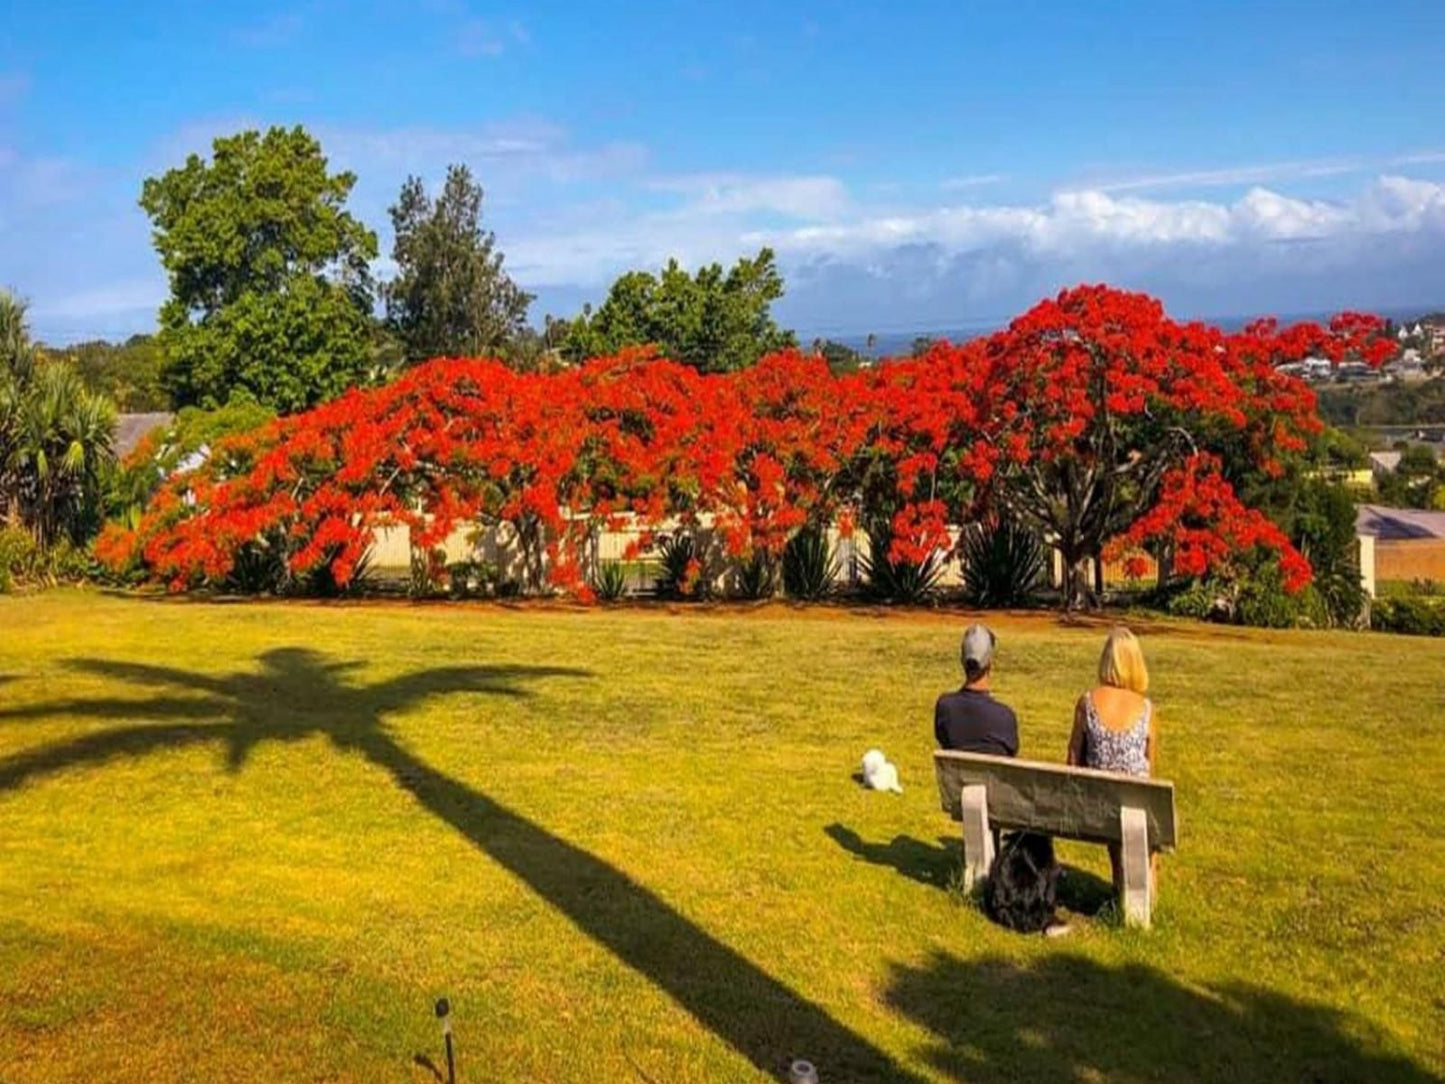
1093 418
1109 420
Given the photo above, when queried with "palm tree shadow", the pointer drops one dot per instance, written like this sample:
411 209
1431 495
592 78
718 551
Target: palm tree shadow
296 693
1067 1017
927 863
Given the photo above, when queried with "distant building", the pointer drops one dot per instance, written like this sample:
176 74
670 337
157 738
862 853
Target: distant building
1383 463
131 429
1403 544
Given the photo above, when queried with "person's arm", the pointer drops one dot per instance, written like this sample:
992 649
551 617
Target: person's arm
938 733
1151 743
1075 757
1011 738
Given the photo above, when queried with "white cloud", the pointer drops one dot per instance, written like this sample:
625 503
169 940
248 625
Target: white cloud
808 198
978 180
1072 223
497 152
1234 176
936 266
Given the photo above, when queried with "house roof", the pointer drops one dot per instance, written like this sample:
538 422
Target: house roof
130 428
1394 524
1385 460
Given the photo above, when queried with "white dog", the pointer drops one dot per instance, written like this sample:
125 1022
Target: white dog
878 774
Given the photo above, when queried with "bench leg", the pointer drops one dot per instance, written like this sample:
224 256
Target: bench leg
977 839
1136 888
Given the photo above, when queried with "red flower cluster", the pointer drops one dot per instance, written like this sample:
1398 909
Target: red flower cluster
1094 384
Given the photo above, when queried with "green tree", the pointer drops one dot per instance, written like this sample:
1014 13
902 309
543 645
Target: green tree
1416 482
55 437
271 290
450 297
129 372
840 357
716 321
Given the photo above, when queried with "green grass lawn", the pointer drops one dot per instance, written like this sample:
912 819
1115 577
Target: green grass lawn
247 842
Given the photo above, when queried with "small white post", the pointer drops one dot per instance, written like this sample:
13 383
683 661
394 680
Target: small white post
1367 563
1137 888
977 839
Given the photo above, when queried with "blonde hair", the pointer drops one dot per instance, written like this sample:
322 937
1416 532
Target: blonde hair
1122 663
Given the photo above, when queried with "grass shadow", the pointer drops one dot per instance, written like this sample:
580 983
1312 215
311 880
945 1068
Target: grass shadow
296 693
929 864
1084 893
1066 1017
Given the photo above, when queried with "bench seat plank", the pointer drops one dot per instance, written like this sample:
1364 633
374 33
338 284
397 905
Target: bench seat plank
1072 803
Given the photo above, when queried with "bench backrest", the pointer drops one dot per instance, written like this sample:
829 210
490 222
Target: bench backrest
1075 803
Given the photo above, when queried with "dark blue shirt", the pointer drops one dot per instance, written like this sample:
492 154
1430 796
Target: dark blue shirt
972 721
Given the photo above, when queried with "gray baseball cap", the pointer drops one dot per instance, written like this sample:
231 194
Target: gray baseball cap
978 644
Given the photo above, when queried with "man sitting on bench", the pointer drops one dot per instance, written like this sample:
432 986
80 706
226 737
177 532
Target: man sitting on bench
971 720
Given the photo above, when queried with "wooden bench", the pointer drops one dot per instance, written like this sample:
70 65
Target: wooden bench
987 792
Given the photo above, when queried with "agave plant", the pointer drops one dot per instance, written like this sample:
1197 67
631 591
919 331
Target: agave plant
681 572
757 578
809 568
610 581
907 582
1003 563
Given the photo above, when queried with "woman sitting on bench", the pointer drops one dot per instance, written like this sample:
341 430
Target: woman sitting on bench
1115 729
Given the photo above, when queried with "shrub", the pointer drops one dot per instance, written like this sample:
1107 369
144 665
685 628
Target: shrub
757 578
18 554
1003 563
25 563
1202 599
1410 616
1257 597
259 569
809 570
1263 602
681 574
609 582
908 582
471 579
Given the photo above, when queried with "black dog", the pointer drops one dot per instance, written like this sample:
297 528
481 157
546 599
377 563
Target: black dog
1022 885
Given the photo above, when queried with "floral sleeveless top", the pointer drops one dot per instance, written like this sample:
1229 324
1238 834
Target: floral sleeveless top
1116 750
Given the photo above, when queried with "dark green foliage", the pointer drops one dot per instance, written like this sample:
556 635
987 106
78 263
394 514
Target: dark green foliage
450 296
55 439
129 373
609 582
1004 563
840 357
715 321
1412 616
1262 602
680 572
1323 529
757 577
809 568
259 569
270 276
1418 481
903 582
1254 597
1384 404
471 579
24 563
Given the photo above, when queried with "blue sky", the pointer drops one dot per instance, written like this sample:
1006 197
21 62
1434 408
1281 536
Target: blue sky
917 165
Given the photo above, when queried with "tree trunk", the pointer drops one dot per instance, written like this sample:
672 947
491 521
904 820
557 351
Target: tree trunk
1077 593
